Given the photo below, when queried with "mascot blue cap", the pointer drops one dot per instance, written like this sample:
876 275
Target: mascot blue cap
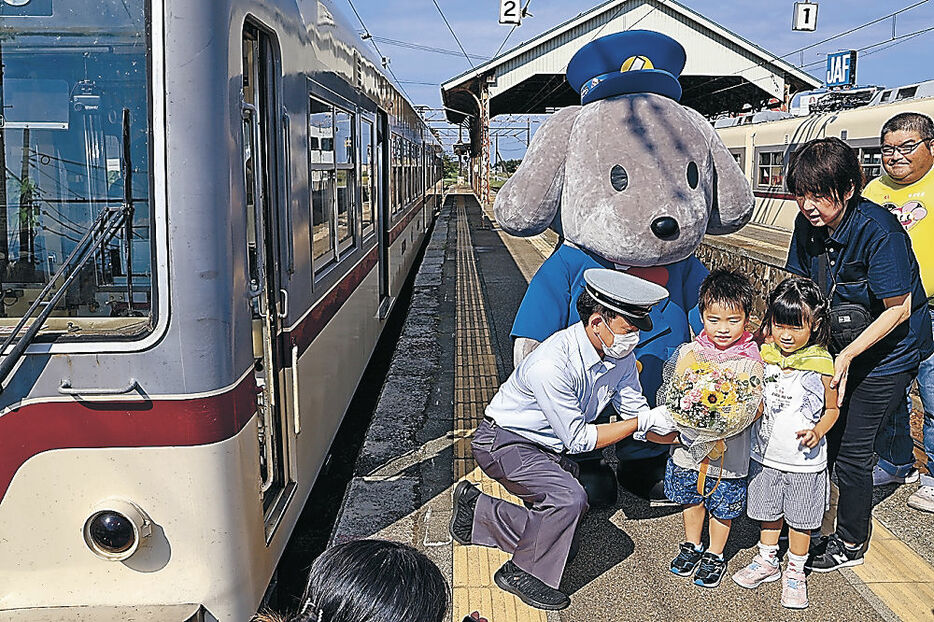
633 61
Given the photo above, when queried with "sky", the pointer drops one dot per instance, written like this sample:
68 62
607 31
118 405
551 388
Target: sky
764 22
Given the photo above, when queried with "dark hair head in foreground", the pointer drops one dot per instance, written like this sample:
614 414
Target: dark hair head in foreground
371 581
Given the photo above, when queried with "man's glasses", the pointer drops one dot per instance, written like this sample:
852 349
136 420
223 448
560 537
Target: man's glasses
889 150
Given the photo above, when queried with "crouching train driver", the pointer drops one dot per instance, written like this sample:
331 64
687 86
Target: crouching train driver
542 413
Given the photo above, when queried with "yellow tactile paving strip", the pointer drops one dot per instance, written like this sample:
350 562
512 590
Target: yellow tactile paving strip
898 576
475 382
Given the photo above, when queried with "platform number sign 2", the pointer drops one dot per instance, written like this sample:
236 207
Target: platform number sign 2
510 12
805 16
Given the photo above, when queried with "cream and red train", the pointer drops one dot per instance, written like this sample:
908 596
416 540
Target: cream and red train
762 149
209 207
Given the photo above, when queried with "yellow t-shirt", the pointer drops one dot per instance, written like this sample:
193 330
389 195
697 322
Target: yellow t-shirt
913 205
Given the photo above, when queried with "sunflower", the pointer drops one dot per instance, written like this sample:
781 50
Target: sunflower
711 398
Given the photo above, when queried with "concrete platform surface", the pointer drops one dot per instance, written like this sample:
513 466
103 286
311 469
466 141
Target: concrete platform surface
454 351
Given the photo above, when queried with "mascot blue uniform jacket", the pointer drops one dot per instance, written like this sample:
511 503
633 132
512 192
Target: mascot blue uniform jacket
549 306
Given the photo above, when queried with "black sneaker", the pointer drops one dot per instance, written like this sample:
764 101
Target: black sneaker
529 589
684 564
710 571
831 554
465 501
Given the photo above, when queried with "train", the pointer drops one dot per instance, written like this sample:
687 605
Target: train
210 210
762 148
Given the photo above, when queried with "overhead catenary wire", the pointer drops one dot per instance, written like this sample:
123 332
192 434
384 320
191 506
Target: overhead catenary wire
453 34
376 47
893 42
513 29
424 48
802 49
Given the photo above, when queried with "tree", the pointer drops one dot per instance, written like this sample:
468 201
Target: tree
451 166
510 166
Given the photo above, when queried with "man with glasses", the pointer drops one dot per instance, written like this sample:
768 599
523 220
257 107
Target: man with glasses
907 190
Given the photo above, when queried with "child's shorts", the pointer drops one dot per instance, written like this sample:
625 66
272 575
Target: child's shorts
800 498
726 502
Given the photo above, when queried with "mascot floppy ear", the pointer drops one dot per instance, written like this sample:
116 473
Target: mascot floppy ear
527 203
733 201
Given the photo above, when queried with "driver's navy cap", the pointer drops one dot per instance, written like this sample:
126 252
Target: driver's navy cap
632 61
628 295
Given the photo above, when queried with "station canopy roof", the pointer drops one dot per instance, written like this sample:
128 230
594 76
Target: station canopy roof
723 72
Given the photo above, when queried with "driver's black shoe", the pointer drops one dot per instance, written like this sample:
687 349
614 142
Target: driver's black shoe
465 502
529 589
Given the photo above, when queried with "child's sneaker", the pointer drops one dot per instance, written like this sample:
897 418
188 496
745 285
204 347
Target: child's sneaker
684 564
710 571
794 589
758 571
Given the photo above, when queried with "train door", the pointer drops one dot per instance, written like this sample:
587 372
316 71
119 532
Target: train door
262 165
383 166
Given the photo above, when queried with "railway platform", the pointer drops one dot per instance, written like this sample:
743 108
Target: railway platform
454 352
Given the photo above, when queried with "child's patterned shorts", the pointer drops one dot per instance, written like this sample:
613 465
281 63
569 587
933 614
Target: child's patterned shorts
726 502
800 498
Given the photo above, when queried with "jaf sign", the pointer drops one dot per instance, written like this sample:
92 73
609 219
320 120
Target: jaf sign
510 12
841 68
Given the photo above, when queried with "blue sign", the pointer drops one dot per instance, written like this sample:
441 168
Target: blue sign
25 8
841 68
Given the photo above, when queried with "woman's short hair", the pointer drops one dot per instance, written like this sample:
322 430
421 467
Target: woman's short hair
825 167
373 581
798 301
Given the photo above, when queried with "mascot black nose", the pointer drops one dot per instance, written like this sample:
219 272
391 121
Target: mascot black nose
666 228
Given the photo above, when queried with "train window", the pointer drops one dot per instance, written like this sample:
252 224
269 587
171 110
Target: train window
322 223
345 191
333 180
343 137
397 178
66 151
886 96
870 159
771 172
320 133
906 92
367 182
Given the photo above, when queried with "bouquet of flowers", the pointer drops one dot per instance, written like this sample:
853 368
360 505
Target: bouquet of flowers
710 397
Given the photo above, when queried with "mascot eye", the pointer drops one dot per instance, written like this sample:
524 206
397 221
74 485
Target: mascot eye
619 178
693 175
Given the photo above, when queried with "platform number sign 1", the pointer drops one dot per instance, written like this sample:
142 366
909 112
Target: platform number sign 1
510 12
805 16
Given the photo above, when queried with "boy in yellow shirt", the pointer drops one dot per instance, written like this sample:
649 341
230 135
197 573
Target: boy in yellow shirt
907 190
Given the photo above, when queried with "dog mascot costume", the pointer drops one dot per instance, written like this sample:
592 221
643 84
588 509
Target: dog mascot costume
630 180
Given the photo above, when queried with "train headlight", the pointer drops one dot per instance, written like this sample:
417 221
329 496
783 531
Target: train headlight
115 528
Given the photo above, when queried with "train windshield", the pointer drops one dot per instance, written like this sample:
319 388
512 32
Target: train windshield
72 70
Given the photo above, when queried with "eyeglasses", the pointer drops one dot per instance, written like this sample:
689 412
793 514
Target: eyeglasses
888 150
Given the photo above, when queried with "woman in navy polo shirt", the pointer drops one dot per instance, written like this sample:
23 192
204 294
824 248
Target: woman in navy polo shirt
866 259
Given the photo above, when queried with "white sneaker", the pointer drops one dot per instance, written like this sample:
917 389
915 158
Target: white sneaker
881 477
922 499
